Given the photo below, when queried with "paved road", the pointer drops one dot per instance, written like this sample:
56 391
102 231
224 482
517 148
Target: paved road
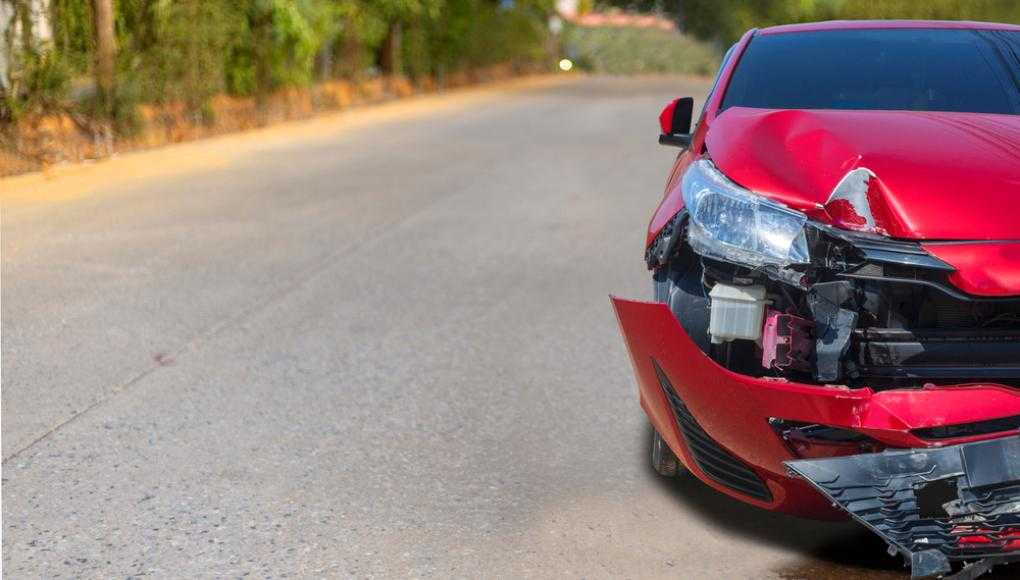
372 345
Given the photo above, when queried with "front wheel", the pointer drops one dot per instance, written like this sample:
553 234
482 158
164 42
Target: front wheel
664 461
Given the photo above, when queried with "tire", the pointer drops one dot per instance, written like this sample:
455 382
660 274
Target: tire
664 461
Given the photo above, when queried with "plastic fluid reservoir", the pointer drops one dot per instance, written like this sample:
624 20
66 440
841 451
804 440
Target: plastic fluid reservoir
737 312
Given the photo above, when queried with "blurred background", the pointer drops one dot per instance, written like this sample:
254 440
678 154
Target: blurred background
374 341
80 79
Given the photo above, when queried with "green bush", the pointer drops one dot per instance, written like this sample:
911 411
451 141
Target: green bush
39 81
191 50
184 61
638 50
727 20
462 34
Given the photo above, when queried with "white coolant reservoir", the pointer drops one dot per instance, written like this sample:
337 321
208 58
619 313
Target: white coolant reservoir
736 313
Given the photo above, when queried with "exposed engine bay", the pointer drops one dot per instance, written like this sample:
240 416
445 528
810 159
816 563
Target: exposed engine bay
794 299
862 309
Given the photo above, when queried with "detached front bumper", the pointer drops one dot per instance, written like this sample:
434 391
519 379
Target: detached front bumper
718 422
933 506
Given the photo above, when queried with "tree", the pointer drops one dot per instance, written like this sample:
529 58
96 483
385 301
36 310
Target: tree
391 51
106 51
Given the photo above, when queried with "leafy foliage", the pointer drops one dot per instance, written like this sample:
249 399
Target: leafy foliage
39 75
36 76
635 50
190 50
727 20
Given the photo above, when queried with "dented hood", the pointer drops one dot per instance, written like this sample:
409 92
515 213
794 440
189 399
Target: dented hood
938 176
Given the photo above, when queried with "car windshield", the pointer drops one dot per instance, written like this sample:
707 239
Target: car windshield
972 71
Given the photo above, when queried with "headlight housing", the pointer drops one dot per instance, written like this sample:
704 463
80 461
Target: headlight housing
733 224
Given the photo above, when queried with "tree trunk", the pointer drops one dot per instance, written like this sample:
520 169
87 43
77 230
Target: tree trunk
106 51
325 59
391 50
24 11
8 24
351 52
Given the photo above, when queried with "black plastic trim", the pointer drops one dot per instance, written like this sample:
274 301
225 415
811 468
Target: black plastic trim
717 463
942 372
662 248
1001 425
892 494
940 286
879 249
682 140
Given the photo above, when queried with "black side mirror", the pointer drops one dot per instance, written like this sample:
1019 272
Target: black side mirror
675 122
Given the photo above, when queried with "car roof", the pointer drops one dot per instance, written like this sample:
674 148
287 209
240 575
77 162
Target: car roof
886 24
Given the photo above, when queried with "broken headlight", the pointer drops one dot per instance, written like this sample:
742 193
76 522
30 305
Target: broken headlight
730 223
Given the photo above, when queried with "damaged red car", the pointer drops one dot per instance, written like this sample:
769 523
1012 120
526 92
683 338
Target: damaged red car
835 328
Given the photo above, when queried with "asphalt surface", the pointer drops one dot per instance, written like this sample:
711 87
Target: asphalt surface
375 348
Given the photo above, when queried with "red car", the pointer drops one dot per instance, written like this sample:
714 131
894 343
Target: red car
836 268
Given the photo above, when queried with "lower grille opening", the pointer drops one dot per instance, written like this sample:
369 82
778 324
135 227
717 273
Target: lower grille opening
807 440
713 460
938 354
991 426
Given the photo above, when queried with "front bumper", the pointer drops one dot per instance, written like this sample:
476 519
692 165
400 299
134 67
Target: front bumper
933 506
733 411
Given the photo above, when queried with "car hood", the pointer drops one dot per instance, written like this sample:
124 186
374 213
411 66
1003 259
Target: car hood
938 176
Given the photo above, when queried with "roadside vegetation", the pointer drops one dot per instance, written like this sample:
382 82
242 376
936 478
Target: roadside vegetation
724 21
613 50
188 51
81 79
78 76
102 58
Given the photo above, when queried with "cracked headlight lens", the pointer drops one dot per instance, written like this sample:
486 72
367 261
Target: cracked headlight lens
730 223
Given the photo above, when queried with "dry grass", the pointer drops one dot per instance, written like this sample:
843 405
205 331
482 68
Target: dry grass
39 142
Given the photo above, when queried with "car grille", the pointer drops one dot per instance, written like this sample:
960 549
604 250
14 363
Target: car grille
717 463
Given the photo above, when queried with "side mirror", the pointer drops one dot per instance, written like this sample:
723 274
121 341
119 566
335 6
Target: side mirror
675 121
